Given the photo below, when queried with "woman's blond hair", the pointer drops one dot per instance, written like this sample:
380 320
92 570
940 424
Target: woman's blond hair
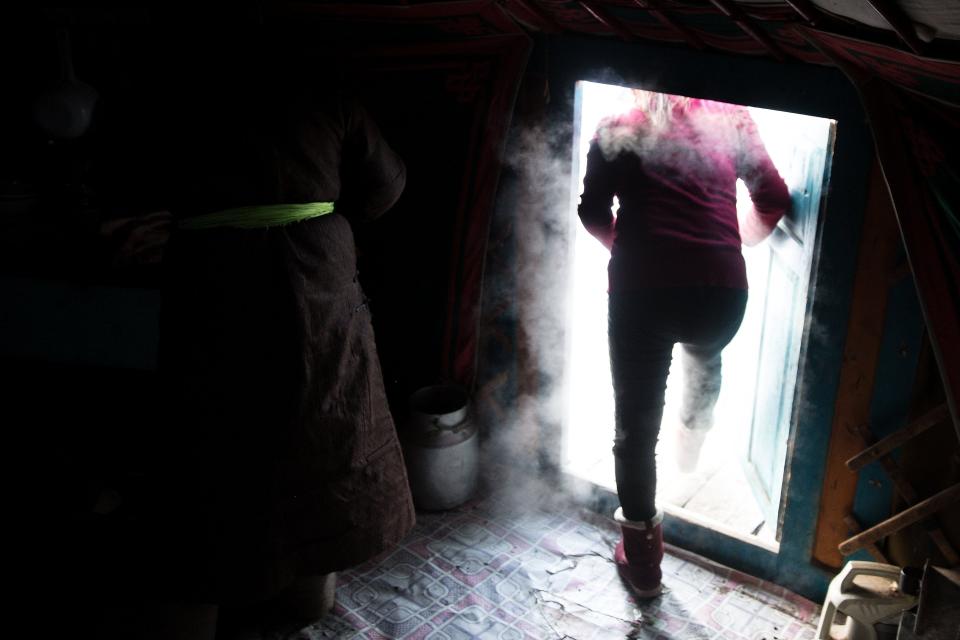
659 107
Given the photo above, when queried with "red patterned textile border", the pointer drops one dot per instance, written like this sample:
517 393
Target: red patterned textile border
938 79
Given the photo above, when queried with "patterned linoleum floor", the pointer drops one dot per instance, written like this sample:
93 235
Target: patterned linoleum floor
497 569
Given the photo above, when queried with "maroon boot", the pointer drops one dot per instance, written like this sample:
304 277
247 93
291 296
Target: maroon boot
639 552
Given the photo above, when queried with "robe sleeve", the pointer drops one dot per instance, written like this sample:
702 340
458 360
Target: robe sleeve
373 175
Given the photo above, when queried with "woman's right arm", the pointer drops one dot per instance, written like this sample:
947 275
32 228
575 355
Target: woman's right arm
768 191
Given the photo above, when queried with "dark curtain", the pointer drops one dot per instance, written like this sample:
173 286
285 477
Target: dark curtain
913 105
920 160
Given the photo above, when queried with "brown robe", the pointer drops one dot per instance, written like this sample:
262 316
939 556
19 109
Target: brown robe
279 454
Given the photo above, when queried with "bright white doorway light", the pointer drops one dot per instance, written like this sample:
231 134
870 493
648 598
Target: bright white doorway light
720 494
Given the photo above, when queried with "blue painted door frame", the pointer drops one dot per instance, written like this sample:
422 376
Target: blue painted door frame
792 87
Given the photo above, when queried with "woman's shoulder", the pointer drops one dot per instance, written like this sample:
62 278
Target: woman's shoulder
631 118
727 110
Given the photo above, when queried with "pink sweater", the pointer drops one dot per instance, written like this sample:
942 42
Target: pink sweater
676 185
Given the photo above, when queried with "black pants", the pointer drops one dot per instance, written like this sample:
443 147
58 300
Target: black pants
643 328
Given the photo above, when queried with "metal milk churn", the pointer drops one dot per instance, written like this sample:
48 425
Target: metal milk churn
441 448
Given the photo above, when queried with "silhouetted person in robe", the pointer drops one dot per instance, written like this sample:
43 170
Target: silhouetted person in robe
278 463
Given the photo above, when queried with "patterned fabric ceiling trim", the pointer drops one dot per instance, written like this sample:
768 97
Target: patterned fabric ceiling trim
708 24
438 20
937 79
943 16
639 18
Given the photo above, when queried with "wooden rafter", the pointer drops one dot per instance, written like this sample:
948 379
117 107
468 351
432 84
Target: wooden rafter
665 18
908 516
732 11
905 488
878 450
807 10
900 22
871 547
547 23
607 20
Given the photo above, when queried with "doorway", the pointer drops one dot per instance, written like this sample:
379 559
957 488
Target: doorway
738 485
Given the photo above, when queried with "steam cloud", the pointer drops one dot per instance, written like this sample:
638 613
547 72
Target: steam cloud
532 233
534 214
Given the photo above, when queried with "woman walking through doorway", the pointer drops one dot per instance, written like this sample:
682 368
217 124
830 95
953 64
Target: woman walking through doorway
676 274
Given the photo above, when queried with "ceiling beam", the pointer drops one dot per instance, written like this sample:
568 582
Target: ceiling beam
665 18
547 23
807 10
733 12
900 22
607 20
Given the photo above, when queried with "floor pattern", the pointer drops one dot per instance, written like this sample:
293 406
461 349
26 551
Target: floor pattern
496 569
